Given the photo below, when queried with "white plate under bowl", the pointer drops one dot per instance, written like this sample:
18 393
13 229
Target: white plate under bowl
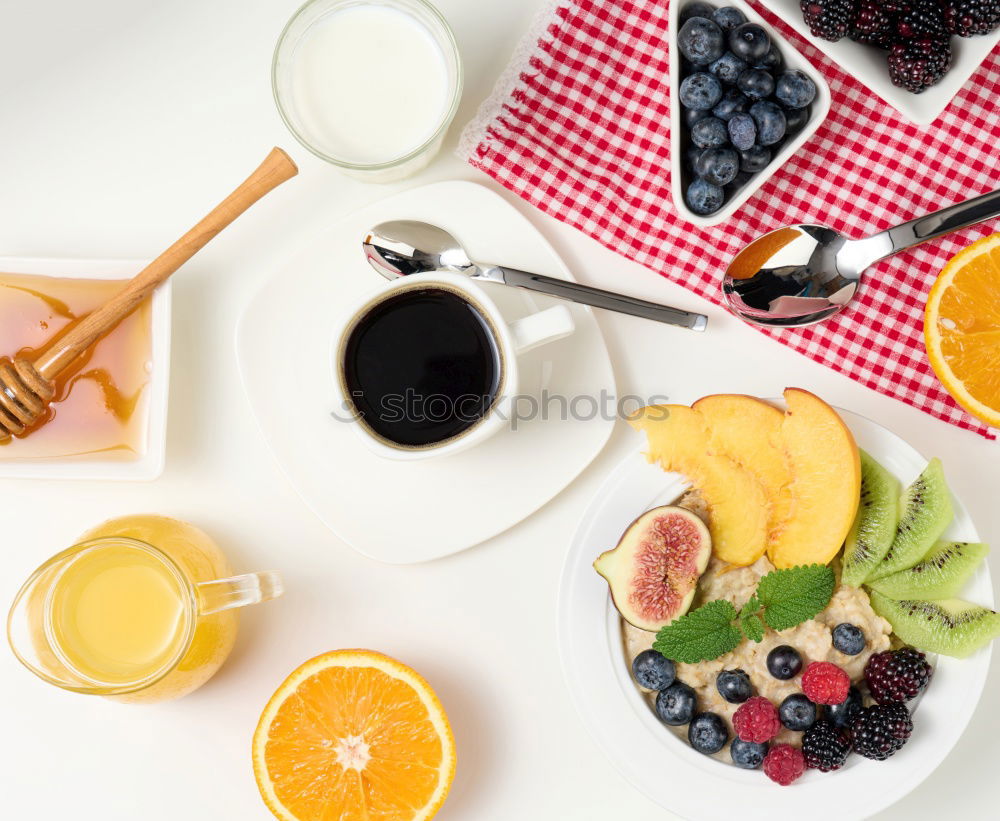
401 512
666 768
679 176
148 464
867 64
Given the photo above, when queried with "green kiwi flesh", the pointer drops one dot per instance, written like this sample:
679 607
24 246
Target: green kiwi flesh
952 627
925 512
874 526
939 575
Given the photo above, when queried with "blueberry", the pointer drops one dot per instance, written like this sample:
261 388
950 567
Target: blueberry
728 17
742 131
841 715
748 754
848 639
691 155
701 41
708 733
700 91
794 89
771 61
749 42
693 115
770 121
695 10
784 662
797 712
734 686
704 198
709 133
733 102
754 159
717 166
756 83
728 68
653 670
796 118
676 704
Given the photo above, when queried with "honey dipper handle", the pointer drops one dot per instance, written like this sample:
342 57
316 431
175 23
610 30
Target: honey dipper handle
276 169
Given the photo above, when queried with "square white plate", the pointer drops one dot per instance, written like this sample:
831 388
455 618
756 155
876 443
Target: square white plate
148 464
868 65
403 512
679 178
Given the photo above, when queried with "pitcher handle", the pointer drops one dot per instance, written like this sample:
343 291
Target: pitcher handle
238 591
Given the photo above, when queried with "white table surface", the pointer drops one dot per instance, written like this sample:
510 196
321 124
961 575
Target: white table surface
124 121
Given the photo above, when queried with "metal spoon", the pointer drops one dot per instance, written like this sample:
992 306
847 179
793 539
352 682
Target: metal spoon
403 247
803 274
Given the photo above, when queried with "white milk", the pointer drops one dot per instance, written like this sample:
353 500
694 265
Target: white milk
370 84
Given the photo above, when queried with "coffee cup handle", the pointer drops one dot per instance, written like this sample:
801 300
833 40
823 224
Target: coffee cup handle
545 326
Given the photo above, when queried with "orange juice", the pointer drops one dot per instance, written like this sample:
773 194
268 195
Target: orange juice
142 609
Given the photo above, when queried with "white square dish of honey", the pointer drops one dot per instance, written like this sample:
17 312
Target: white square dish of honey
108 418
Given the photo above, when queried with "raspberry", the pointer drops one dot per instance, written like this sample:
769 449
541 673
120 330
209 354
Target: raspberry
784 763
756 720
881 730
824 747
899 675
825 683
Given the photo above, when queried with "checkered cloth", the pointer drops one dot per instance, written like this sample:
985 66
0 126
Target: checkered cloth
579 127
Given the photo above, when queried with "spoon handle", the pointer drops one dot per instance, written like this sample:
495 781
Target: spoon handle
953 218
596 297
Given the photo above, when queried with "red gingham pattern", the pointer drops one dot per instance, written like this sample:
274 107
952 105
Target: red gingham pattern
585 138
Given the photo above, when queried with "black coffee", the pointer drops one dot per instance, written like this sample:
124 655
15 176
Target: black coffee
422 367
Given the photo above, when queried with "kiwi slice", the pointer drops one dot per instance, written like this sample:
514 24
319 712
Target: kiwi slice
952 627
925 513
939 575
874 525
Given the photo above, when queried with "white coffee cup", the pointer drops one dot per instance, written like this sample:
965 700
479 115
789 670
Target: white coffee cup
510 338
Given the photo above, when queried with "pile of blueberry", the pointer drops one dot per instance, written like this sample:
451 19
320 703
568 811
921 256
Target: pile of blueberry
739 104
829 712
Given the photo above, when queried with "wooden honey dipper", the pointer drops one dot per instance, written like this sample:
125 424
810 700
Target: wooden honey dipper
27 384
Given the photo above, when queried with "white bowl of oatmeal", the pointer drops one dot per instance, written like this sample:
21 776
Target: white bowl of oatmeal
594 646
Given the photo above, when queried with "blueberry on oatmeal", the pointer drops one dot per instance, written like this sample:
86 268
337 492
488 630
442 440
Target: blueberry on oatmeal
653 671
708 733
734 686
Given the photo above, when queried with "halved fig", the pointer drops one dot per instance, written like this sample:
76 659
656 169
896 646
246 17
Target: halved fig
654 570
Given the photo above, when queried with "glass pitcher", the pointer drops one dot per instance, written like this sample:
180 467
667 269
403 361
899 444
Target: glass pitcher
142 609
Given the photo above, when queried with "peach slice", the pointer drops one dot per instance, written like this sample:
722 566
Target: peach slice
748 431
738 510
826 482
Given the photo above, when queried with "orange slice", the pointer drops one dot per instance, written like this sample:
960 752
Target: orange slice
962 328
353 735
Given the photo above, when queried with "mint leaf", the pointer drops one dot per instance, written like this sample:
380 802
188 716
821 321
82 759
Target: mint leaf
751 607
752 627
701 635
794 595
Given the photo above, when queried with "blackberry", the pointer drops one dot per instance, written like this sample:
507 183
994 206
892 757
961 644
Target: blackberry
825 747
899 675
872 25
918 64
920 19
829 19
881 730
968 17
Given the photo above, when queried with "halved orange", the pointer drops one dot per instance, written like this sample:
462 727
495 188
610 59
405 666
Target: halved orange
962 328
354 735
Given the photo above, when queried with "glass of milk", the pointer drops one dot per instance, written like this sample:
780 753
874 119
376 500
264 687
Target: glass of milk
368 85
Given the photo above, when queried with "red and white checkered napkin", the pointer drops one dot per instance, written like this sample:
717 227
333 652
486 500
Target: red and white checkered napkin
579 127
